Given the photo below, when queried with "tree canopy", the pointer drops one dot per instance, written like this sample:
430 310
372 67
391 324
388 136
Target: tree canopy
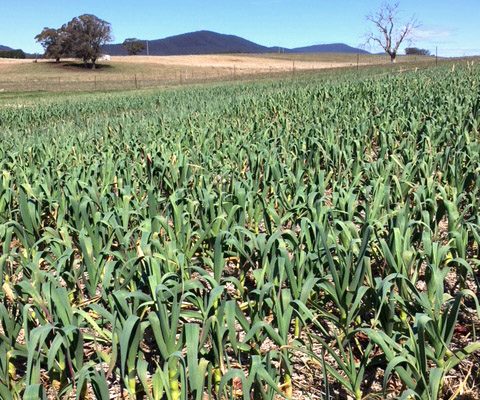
134 46
55 43
415 51
82 37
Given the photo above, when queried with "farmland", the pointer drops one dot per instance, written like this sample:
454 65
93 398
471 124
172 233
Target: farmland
310 237
140 72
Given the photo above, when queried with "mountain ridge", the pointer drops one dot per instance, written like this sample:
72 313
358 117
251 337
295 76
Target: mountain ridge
209 42
329 48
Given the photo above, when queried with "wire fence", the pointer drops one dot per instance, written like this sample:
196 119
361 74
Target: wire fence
92 81
100 81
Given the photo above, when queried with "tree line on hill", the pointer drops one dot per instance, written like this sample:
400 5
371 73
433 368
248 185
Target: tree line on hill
12 54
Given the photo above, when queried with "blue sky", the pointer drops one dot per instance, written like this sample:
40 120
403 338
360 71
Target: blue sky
452 25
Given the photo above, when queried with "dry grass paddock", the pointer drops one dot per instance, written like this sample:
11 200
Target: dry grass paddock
137 72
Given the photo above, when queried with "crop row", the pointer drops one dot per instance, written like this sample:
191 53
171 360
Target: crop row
224 241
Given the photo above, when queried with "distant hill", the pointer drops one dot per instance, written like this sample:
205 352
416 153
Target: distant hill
329 48
202 42
8 52
207 42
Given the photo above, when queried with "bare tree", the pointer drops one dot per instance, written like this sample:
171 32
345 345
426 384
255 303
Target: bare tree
391 32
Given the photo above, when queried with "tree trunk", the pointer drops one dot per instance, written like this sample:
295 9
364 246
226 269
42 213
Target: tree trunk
93 64
393 58
57 60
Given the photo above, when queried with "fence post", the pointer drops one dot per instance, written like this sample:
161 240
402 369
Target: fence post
358 60
136 82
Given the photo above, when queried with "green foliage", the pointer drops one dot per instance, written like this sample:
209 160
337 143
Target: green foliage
55 43
12 54
134 46
190 243
415 51
82 37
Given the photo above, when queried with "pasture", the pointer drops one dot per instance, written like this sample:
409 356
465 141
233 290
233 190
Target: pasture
140 72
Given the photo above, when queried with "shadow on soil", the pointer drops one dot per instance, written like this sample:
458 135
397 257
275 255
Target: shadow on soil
76 66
